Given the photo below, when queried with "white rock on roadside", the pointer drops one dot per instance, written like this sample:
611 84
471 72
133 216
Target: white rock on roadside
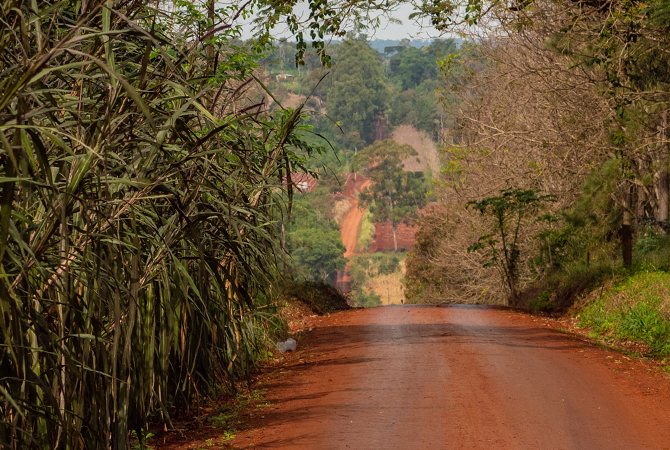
288 345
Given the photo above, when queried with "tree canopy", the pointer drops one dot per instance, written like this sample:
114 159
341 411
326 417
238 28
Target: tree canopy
357 94
395 195
314 241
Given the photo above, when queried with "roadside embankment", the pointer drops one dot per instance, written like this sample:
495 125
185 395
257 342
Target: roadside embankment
631 312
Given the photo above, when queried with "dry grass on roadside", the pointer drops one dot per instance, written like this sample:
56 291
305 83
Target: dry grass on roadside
389 287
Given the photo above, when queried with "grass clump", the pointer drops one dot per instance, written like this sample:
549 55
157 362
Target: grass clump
637 309
225 420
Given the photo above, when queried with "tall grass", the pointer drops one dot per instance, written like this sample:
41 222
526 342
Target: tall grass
139 188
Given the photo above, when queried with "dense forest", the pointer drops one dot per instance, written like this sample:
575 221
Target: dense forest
156 205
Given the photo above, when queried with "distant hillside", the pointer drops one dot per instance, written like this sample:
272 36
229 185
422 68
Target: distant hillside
380 44
428 157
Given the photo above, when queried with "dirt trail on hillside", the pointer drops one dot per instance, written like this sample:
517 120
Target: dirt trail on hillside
353 218
464 377
349 228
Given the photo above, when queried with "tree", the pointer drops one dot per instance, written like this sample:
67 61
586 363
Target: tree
395 195
314 239
412 66
357 94
319 251
508 211
417 107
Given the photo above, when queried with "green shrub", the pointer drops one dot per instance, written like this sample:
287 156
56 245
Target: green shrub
541 302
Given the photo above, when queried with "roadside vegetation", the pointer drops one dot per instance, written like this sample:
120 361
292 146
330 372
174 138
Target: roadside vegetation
634 308
374 276
314 245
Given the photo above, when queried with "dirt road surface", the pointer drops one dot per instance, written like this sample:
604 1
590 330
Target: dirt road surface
463 377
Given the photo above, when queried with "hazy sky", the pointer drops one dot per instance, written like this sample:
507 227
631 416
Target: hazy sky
408 29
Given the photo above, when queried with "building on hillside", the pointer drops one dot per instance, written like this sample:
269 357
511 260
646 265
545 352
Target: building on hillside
284 76
303 182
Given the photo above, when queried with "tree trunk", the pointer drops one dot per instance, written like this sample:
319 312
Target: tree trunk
662 175
640 200
640 195
393 224
662 193
283 245
512 293
626 231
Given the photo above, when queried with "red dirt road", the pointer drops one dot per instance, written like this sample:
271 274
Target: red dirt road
349 227
353 218
463 377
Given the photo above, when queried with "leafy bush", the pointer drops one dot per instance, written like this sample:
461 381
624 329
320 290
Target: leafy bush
541 302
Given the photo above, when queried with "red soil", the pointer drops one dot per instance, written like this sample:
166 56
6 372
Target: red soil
352 221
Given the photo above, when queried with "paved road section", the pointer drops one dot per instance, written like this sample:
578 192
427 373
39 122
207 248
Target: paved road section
460 378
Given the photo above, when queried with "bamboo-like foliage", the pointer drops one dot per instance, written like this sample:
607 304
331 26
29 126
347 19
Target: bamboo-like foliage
139 190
